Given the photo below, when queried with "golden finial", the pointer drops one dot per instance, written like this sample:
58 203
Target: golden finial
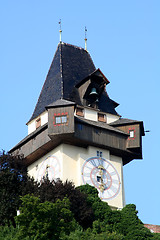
60 30
85 39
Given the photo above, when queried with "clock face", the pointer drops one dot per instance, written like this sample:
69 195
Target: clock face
49 168
100 173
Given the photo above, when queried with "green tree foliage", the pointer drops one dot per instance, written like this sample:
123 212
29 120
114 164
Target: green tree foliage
82 210
44 220
7 233
156 236
101 209
124 222
139 233
90 235
14 182
130 225
59 210
12 173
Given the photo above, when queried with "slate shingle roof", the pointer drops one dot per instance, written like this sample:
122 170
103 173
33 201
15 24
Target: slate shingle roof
70 65
126 121
106 104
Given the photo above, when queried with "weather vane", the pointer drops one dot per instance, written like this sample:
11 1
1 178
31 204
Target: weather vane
60 30
85 39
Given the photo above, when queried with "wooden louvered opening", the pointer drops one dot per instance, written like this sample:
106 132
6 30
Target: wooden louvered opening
80 112
101 117
38 123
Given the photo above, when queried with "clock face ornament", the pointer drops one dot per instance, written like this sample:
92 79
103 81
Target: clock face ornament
100 173
49 168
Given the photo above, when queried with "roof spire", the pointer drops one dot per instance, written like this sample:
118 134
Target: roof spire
60 31
85 39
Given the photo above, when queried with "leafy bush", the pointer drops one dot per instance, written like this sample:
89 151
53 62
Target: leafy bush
14 182
80 207
44 220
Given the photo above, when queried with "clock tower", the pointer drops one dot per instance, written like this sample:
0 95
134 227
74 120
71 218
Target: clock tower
75 132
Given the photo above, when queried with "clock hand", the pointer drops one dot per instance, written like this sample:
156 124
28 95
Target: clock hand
101 175
46 172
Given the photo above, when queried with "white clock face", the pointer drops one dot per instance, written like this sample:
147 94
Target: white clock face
100 173
49 168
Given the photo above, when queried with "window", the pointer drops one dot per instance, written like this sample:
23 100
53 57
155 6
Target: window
80 112
60 119
131 133
38 123
64 119
99 154
57 120
101 117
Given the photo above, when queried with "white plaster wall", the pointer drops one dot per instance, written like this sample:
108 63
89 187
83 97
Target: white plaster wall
31 127
90 114
111 118
33 169
71 160
71 168
44 118
120 199
32 124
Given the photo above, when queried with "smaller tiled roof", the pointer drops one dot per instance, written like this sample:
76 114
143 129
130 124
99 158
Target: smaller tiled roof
124 121
60 103
30 136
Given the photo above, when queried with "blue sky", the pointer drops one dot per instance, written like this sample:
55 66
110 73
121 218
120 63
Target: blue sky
123 40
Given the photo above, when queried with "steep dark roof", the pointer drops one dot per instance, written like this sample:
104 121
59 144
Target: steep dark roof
70 65
106 104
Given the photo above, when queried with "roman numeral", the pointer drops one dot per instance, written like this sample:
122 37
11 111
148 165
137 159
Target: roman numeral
86 174
100 162
115 181
114 189
93 162
88 167
113 173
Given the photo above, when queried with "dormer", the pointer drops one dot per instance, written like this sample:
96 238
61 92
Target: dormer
91 88
60 118
95 115
37 122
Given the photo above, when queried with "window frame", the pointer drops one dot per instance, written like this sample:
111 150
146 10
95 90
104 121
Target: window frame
38 122
102 117
80 111
61 116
